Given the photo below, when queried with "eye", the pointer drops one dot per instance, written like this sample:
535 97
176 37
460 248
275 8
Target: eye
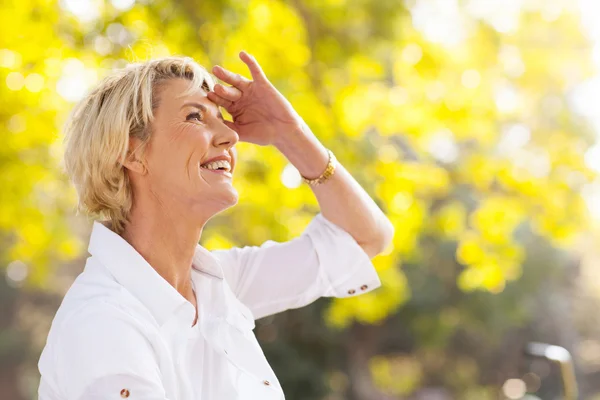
194 115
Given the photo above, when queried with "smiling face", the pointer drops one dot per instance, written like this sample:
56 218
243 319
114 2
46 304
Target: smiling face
190 157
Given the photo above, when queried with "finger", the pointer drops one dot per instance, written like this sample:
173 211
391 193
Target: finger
232 78
231 125
215 98
228 92
253 66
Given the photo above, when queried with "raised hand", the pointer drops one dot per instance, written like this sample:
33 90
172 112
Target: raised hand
261 114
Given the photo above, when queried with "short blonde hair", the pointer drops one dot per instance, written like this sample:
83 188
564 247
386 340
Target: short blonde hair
98 129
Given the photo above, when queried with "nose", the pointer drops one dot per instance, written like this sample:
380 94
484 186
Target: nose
225 136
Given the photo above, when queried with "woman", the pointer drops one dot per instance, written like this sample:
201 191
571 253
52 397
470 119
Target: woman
154 315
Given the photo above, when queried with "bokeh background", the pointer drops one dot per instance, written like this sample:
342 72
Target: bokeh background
473 123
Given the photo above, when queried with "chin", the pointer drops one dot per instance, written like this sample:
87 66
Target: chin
233 199
225 201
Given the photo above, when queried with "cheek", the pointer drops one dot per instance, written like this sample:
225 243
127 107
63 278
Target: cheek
233 153
200 143
184 145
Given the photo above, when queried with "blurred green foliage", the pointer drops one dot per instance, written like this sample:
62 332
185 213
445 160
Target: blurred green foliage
469 147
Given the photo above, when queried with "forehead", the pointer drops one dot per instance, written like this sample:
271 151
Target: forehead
178 90
174 96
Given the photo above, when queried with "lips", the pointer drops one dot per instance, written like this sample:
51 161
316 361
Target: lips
223 165
219 163
218 171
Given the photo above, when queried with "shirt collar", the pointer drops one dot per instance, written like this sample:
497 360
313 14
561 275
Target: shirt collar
205 261
132 271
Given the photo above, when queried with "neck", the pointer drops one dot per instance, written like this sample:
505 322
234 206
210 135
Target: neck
167 240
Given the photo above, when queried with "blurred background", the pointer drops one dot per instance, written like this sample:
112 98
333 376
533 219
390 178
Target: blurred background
473 123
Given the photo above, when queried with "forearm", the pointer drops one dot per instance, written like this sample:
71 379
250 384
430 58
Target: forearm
341 199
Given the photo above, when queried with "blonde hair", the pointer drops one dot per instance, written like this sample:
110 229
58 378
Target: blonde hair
98 130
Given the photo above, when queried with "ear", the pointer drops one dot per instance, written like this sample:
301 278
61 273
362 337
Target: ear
132 161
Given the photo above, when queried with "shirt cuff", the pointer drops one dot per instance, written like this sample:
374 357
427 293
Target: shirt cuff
343 264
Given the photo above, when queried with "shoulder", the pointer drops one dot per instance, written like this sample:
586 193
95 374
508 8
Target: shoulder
98 328
104 314
98 308
96 292
100 339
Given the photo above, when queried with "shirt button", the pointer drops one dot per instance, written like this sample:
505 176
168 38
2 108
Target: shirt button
124 393
266 382
363 287
351 291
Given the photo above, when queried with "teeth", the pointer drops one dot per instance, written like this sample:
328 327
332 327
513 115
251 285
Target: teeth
217 164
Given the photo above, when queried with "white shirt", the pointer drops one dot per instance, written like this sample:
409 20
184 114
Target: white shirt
122 331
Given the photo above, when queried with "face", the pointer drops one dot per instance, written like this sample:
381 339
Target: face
190 157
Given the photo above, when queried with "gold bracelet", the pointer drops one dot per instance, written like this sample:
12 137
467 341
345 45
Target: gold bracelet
328 173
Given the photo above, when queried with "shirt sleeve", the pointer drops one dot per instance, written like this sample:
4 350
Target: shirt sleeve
103 354
324 260
122 386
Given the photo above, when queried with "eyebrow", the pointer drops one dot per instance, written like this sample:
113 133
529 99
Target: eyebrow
203 108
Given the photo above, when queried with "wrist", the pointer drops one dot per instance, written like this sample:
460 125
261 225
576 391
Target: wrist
304 151
326 174
290 136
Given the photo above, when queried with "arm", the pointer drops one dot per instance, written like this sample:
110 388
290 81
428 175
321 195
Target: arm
341 199
324 261
263 116
332 257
